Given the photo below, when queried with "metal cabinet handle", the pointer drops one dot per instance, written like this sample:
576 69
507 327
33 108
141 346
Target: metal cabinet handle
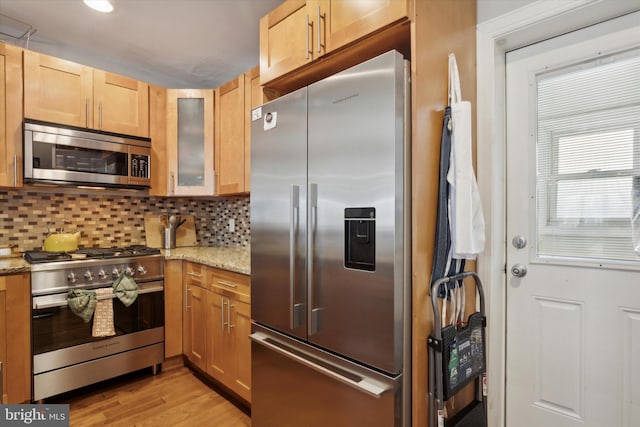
363 384
222 322
229 325
86 112
309 48
172 183
186 299
15 170
320 16
192 274
100 115
227 284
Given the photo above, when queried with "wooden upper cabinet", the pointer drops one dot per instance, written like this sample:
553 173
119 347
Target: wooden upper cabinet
286 39
10 116
230 140
342 22
190 142
121 104
60 91
235 101
158 135
57 91
253 98
300 31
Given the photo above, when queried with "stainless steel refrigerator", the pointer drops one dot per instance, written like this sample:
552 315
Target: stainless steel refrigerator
330 251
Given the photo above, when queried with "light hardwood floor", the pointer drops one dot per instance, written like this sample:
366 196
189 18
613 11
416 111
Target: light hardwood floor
175 397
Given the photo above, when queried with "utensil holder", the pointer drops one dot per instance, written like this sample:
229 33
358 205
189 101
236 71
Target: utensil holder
169 238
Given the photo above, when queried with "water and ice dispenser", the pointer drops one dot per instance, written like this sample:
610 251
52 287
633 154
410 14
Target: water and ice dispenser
360 238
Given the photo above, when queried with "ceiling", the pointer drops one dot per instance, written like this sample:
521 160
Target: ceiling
170 43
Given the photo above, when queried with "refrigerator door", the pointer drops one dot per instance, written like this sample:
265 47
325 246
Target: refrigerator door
278 213
356 212
294 384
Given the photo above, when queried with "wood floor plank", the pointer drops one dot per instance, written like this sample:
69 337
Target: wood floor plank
175 397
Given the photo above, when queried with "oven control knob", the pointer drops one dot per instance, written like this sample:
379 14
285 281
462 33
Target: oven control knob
115 273
88 275
142 270
72 277
102 274
130 271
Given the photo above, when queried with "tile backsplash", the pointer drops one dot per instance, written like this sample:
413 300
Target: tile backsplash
113 219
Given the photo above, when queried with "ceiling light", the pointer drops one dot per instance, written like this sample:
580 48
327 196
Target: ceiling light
99 5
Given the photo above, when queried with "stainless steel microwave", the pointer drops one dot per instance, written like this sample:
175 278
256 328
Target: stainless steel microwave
65 155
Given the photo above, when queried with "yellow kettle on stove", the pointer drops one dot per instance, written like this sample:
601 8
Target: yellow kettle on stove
61 242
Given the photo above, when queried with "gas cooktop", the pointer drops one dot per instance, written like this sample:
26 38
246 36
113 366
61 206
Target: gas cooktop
36 256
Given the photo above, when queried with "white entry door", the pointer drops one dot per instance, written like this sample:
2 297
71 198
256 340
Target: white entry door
573 265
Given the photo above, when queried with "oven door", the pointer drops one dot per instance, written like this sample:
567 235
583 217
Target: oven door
56 327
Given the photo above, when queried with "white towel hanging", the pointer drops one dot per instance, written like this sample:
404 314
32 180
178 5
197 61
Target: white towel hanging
465 211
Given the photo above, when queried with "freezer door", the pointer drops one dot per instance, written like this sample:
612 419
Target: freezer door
294 384
278 213
356 211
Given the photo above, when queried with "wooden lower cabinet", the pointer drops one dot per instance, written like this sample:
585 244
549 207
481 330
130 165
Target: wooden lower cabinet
228 344
173 308
217 324
196 320
15 337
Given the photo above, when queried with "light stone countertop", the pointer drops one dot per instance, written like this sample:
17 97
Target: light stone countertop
236 259
13 265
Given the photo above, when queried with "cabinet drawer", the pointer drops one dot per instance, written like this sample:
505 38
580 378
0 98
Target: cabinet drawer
194 273
235 282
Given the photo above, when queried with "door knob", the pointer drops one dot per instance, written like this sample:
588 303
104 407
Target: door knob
519 270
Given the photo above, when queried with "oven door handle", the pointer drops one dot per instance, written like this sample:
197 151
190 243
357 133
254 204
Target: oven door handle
61 299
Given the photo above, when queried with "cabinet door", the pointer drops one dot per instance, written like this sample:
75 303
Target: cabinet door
253 98
229 142
173 303
196 311
158 135
241 328
190 142
286 39
120 104
15 302
57 91
342 22
10 116
219 351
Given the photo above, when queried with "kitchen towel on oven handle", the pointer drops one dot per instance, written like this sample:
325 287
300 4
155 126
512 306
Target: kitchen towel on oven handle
82 303
103 325
126 289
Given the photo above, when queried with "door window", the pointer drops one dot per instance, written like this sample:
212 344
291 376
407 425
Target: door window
588 158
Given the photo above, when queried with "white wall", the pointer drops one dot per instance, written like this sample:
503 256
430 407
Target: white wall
488 9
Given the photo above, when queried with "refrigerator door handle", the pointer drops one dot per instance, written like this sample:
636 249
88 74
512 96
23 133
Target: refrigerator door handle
358 382
294 197
312 312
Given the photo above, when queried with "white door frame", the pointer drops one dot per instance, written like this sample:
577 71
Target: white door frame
536 21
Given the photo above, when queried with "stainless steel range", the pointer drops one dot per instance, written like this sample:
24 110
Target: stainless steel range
67 352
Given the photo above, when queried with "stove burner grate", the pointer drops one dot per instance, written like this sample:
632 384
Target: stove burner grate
37 256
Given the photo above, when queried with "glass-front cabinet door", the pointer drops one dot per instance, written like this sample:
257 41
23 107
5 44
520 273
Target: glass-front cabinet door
190 138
